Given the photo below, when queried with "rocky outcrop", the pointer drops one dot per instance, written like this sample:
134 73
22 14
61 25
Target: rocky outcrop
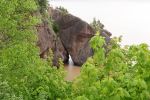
47 39
72 38
75 35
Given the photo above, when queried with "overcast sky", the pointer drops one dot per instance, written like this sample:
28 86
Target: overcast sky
130 18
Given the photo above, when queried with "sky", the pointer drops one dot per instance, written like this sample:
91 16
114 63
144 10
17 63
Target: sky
129 18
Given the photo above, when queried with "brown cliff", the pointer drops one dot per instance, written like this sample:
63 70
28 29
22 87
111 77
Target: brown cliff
47 39
71 39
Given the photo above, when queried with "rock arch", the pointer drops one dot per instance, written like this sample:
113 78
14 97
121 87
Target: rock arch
73 38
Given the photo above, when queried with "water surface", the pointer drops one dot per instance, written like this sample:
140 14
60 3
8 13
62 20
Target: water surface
72 72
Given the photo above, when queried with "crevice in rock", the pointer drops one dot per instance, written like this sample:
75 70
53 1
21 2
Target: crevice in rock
66 61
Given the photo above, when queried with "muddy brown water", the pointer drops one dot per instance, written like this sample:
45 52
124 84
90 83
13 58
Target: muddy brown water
72 72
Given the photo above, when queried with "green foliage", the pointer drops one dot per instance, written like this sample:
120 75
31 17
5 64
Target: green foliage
97 43
24 76
122 75
55 27
42 5
50 57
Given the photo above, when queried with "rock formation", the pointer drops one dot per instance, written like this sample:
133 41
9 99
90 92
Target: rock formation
75 35
71 39
47 39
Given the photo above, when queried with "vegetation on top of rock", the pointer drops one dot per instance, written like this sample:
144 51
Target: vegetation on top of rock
63 10
97 25
42 5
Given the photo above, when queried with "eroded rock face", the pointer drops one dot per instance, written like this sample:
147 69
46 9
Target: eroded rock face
47 39
72 38
75 35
